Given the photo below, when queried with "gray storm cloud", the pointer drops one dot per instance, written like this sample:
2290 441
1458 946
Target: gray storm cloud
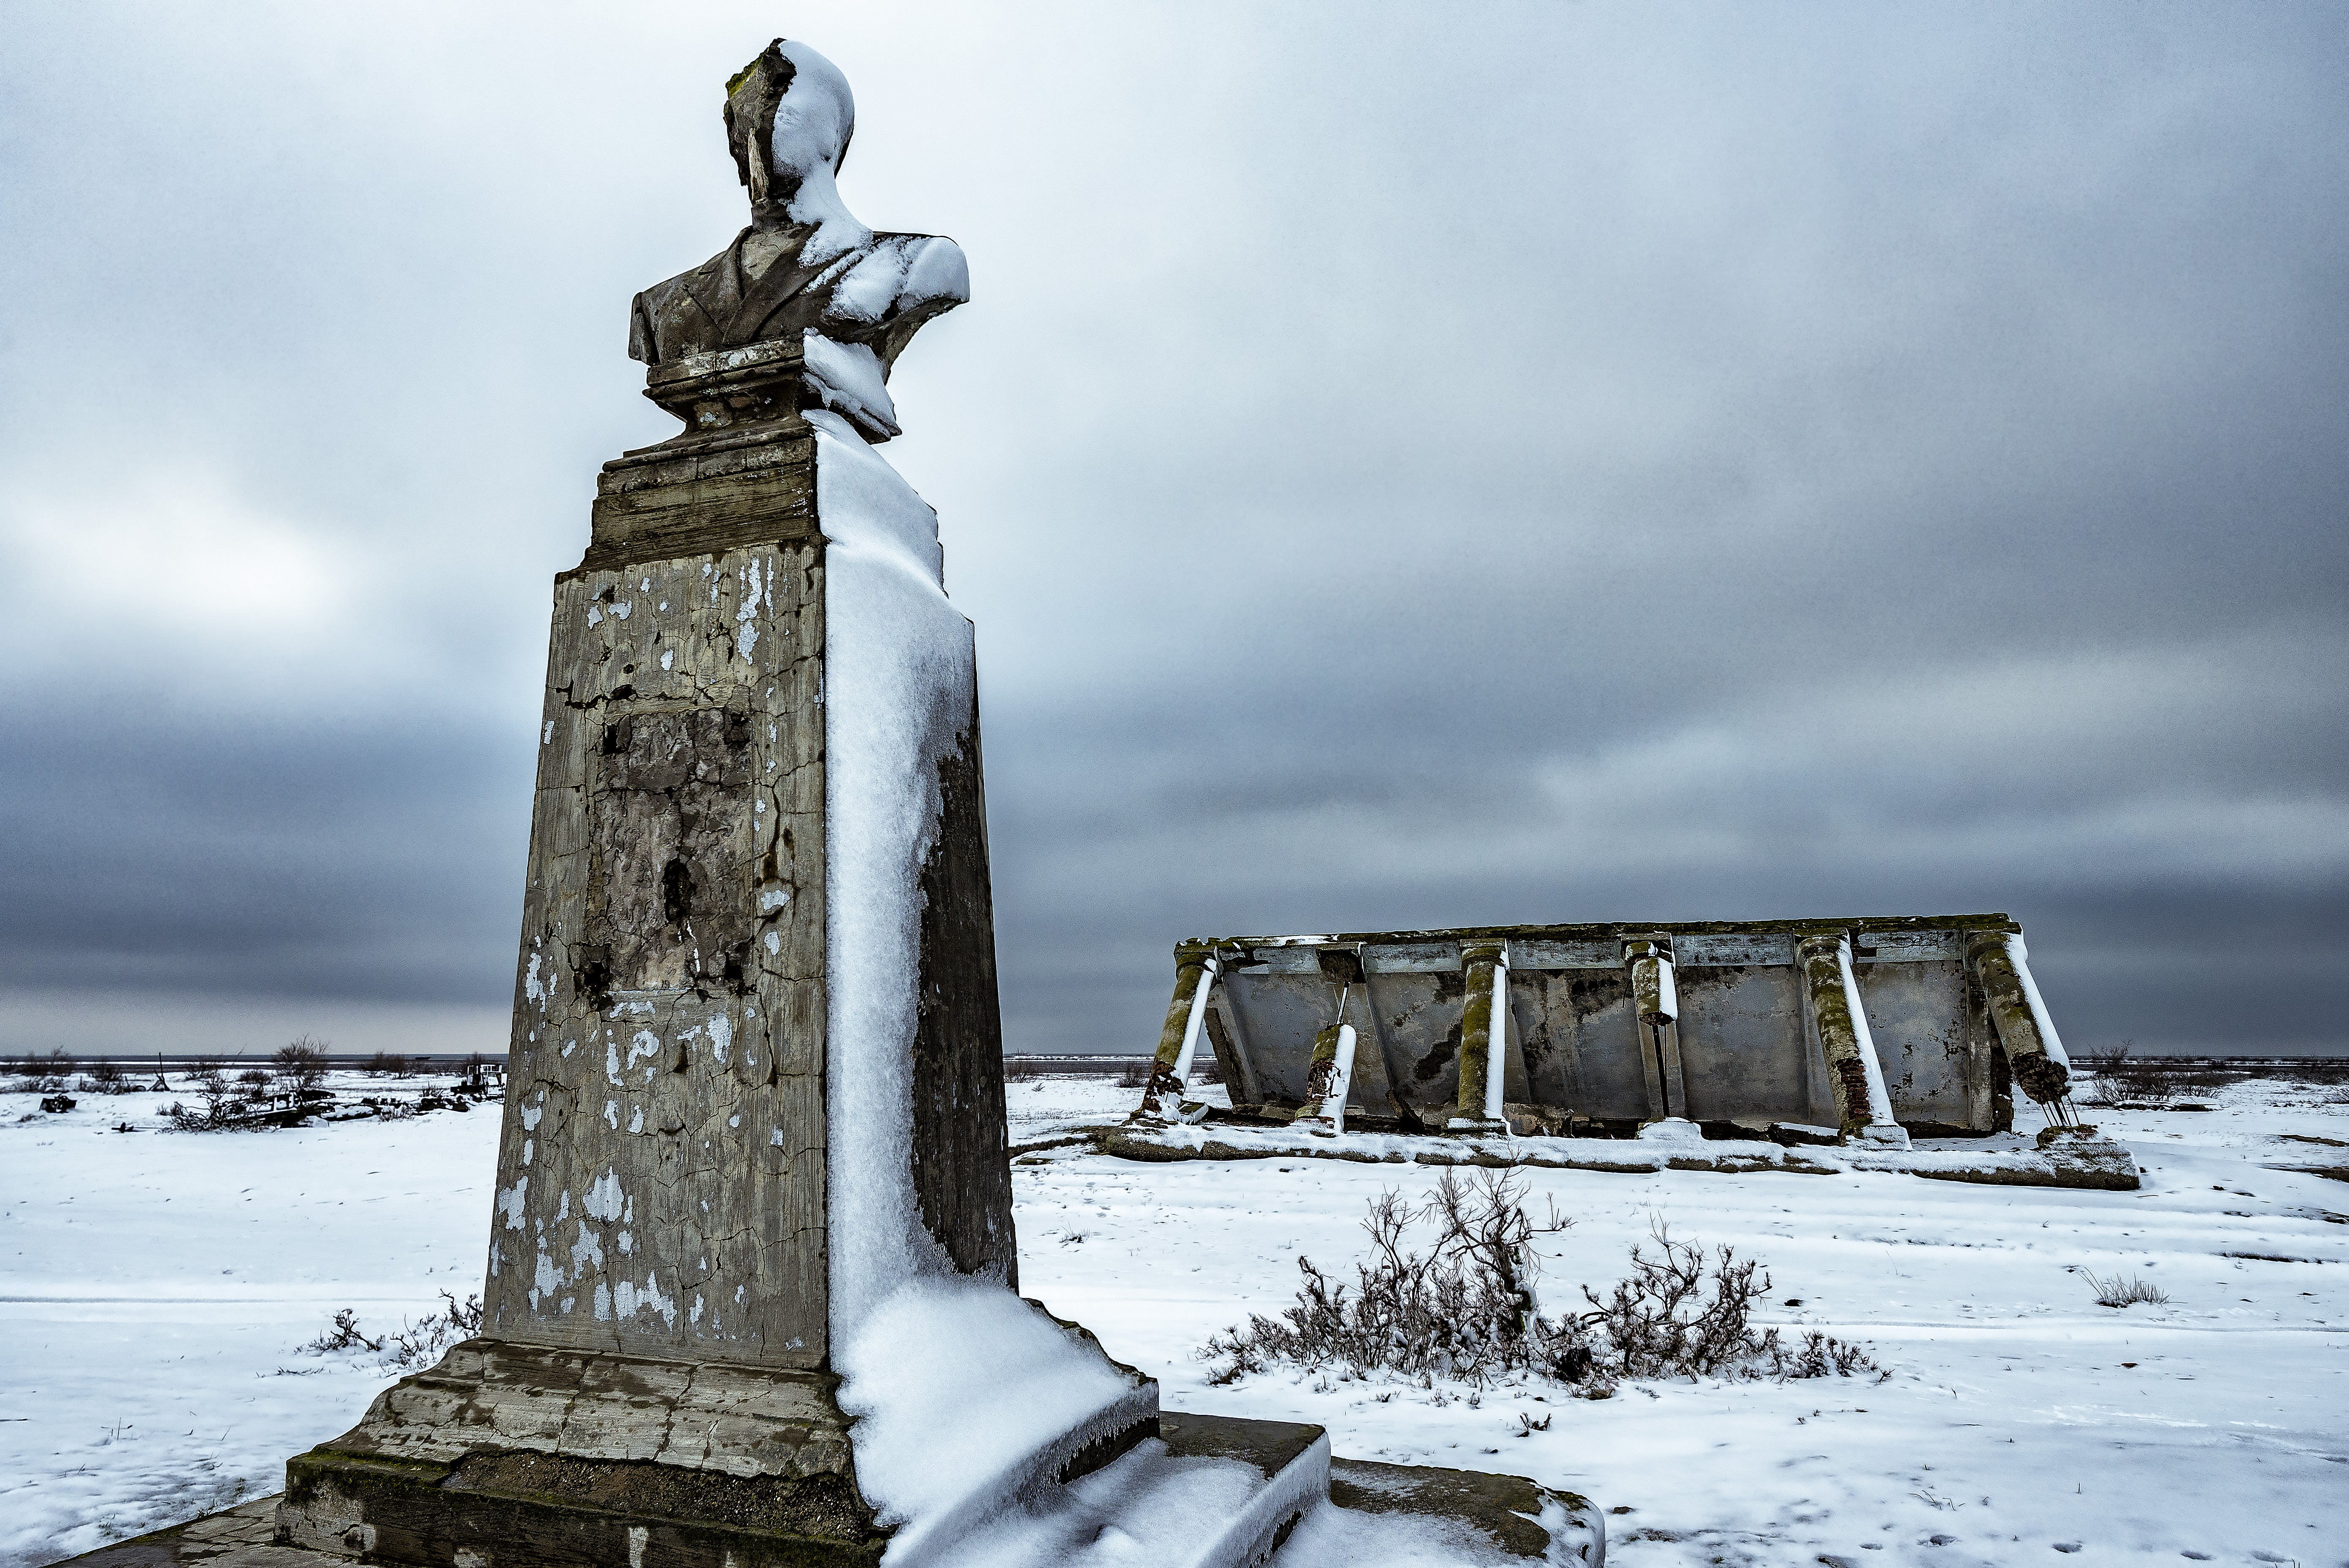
1567 462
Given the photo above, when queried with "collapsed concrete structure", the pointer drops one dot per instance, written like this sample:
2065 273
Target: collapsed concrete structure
1857 1031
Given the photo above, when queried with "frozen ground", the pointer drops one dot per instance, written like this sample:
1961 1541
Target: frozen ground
157 1287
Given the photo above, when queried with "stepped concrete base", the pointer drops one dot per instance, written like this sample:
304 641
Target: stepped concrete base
1209 1491
523 1510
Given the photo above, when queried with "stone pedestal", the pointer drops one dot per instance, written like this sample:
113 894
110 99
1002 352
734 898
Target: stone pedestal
691 1035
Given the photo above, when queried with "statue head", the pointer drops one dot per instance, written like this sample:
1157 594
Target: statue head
789 119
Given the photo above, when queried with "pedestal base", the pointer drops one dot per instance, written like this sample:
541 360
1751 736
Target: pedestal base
523 1455
1277 1475
527 1456
520 1509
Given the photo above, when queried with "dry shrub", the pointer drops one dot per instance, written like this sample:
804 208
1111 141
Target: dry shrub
2118 1292
41 1073
301 1065
208 1077
1462 1308
343 1336
1465 1307
409 1346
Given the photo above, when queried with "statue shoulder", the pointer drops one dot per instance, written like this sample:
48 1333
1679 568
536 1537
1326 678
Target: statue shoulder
679 316
901 274
935 267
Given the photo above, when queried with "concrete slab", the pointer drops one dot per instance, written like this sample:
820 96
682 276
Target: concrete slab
1520 1518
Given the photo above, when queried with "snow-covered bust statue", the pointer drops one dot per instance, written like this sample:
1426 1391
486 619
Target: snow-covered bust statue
805 267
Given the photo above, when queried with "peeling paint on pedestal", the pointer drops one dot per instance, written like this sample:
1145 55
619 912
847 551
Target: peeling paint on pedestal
661 1190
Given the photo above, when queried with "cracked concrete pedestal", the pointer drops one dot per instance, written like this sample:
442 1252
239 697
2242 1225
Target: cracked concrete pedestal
656 1331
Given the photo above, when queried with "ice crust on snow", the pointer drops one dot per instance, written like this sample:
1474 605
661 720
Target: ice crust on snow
954 1384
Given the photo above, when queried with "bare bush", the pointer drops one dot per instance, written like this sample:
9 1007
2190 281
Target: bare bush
384 1064
103 1076
436 1331
412 1345
1819 1356
343 1336
301 1065
1672 1315
2148 1083
1464 1307
1135 1074
2105 1065
2154 1084
2117 1292
208 1077
2106 1059
42 1072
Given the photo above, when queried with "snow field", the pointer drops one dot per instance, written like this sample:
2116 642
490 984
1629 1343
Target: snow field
140 1382
2011 1428
156 1288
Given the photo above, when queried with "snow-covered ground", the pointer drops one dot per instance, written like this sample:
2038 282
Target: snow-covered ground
157 1288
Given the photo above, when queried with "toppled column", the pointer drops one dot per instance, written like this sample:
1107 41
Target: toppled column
1482 1039
1330 1076
1195 977
2032 1049
1863 1108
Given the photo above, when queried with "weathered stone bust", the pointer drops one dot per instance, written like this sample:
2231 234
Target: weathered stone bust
805 266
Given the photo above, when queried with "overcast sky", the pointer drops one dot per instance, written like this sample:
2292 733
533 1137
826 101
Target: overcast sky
1408 465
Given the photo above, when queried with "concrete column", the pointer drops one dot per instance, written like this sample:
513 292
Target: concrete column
1195 974
2018 1015
1329 1077
1478 965
1655 1004
1863 1106
1496 1053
